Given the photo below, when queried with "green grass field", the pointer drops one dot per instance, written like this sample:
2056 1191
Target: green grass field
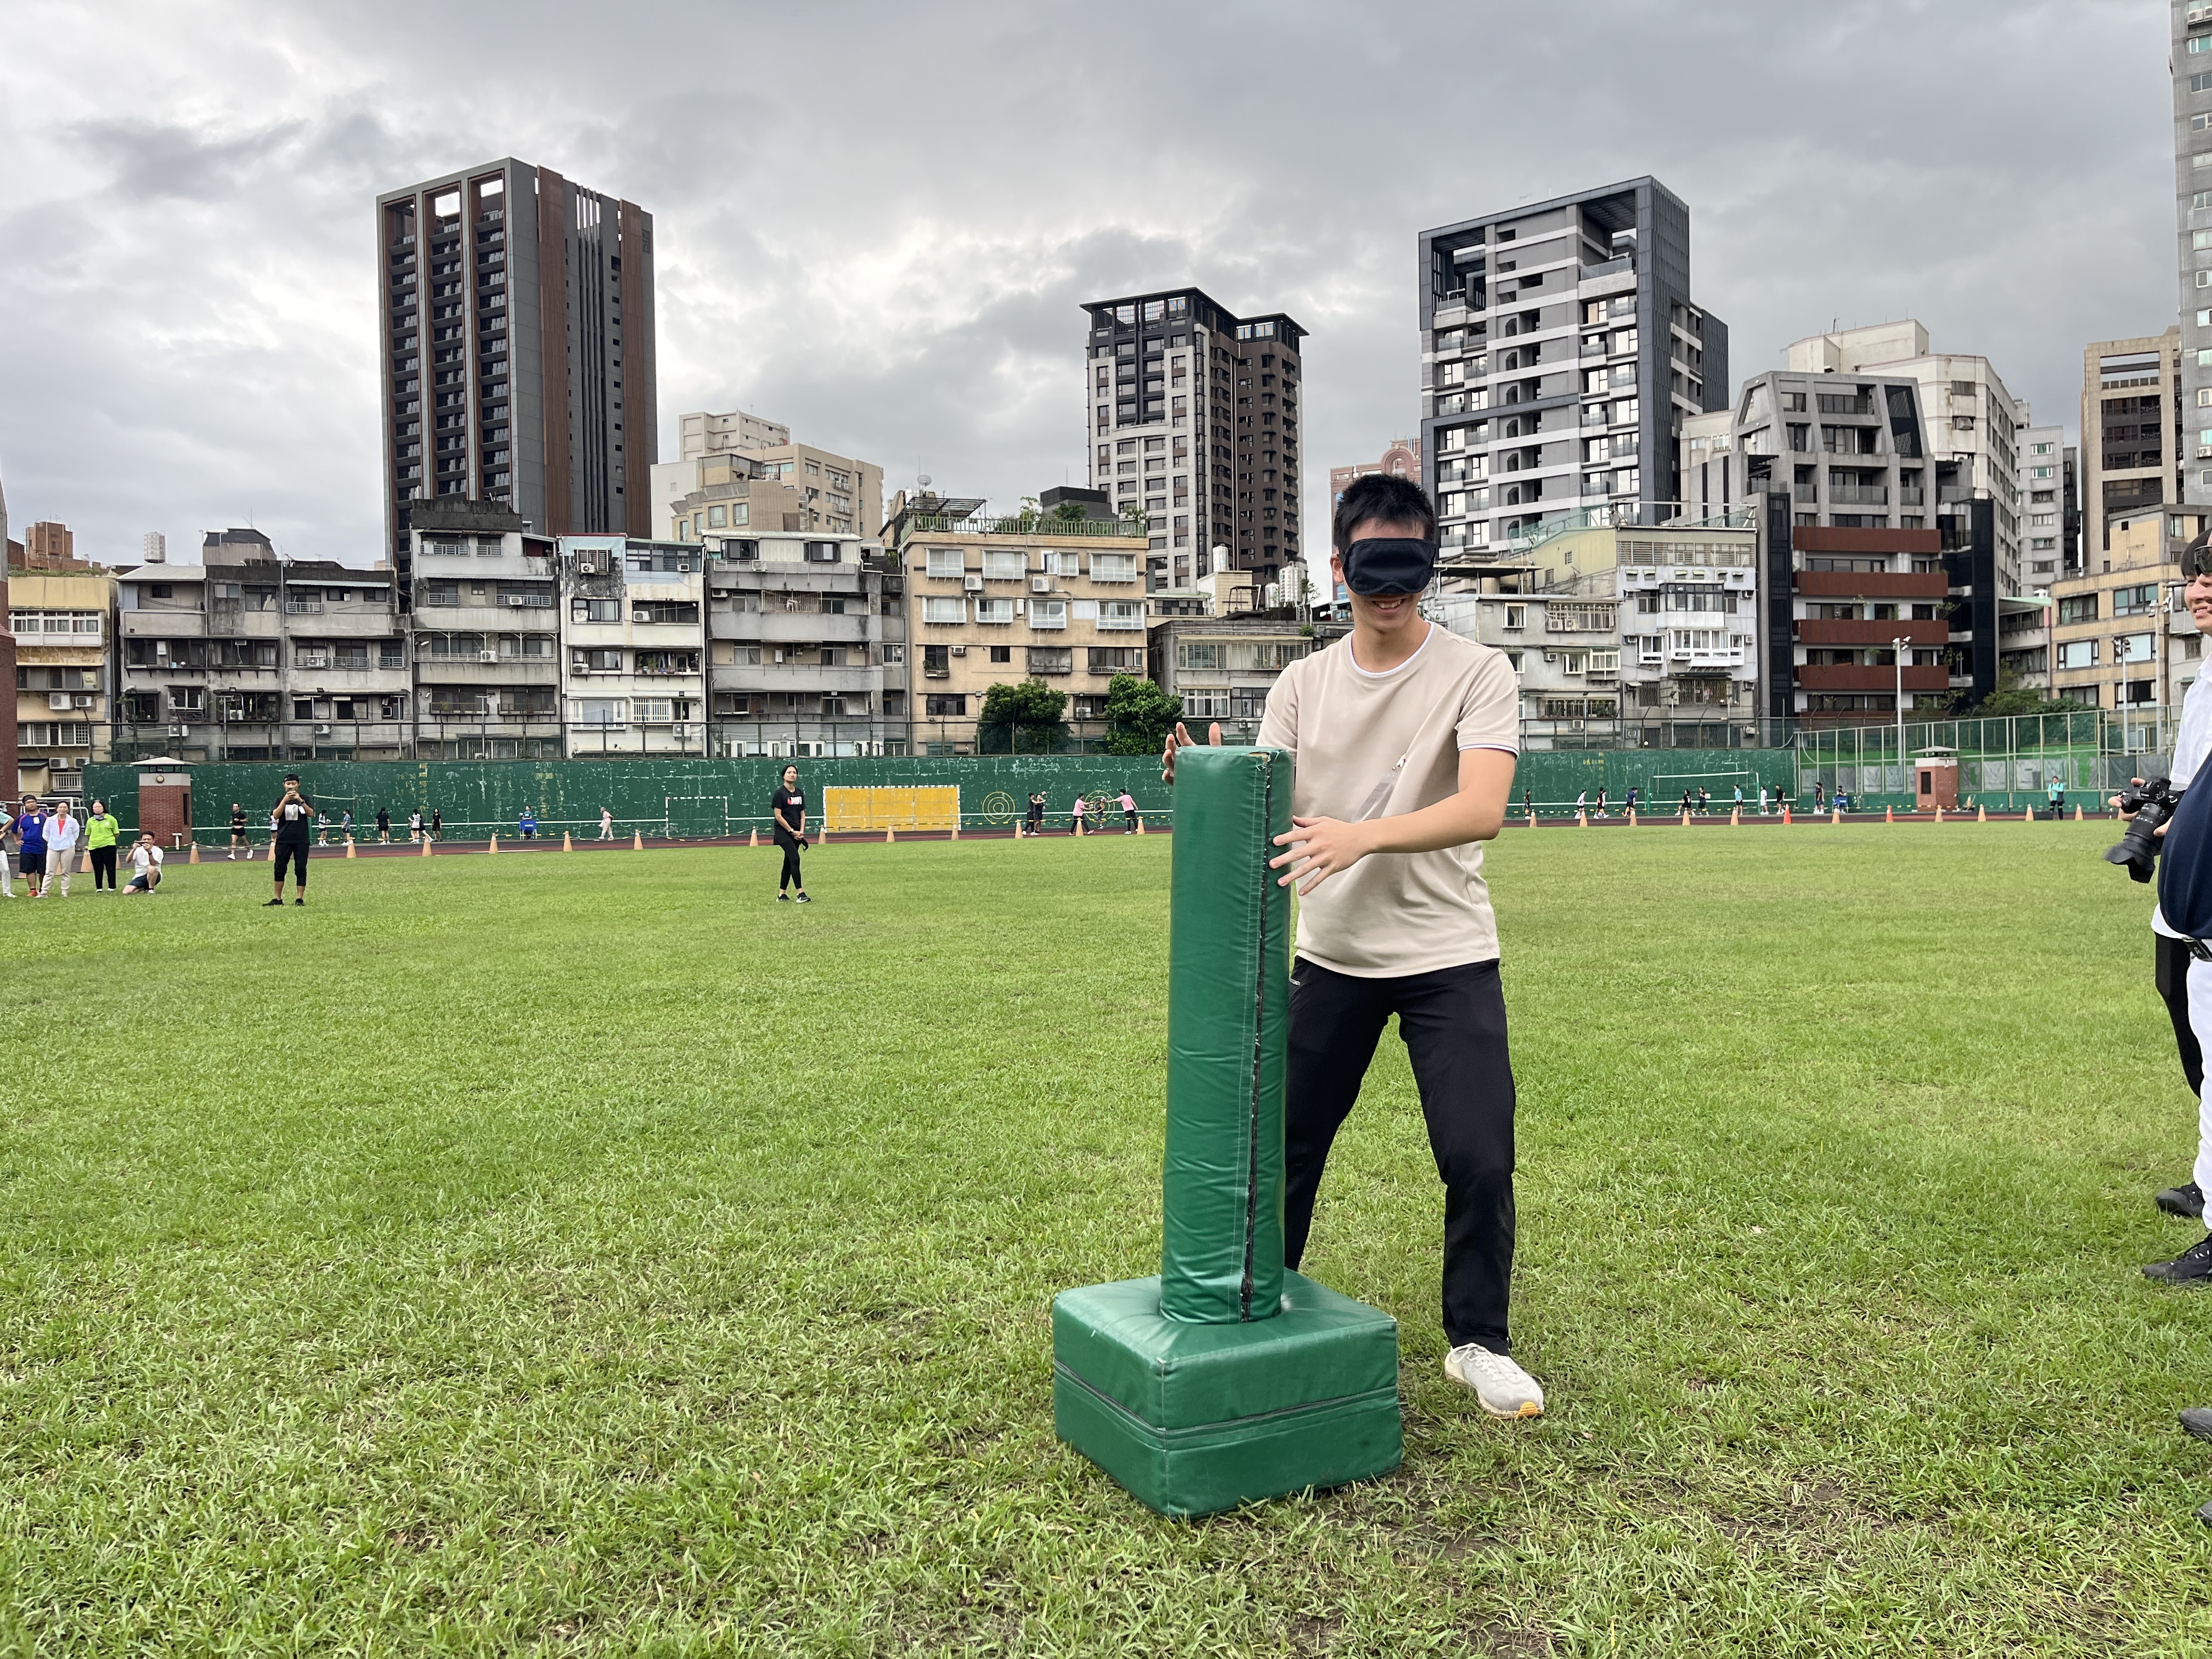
586 1255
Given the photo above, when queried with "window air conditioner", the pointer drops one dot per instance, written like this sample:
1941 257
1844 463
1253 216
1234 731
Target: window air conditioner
61 763
1040 584
84 702
959 650
180 731
57 699
322 731
487 656
973 584
517 601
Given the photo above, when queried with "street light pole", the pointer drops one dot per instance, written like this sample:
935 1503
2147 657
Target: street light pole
1897 648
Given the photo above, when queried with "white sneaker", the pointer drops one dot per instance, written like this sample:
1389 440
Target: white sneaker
1502 1387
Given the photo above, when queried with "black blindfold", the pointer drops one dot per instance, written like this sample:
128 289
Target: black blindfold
1388 565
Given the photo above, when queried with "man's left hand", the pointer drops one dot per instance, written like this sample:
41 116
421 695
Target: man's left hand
1319 849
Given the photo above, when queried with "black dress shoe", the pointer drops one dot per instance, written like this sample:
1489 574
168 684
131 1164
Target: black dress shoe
2193 1265
2197 1419
2187 1200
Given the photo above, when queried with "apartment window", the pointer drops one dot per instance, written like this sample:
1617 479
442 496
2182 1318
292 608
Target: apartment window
1048 613
595 610
1113 566
940 705
2138 601
946 561
1121 614
2132 647
1516 617
2200 83
595 661
944 612
999 612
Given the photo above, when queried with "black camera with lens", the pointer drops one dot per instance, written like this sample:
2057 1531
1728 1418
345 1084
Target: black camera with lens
2152 803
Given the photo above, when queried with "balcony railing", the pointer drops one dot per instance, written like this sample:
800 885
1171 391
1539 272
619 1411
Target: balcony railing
1859 494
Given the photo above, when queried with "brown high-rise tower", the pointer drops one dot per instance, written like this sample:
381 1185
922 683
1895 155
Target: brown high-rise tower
518 351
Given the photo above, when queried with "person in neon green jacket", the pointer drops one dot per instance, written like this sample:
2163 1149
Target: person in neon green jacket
100 829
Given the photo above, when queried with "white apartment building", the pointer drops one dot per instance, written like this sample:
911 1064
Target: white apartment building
1969 417
702 433
634 646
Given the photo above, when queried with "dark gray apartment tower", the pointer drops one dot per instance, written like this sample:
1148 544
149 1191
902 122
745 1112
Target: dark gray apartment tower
1559 351
1193 419
518 359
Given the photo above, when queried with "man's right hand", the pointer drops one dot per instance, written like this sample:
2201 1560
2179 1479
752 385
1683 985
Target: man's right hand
1181 738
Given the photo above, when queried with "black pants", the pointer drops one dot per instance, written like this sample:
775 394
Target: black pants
103 868
2170 958
1453 1022
791 875
293 853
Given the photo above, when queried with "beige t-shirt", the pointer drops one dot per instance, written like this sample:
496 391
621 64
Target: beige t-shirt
1394 914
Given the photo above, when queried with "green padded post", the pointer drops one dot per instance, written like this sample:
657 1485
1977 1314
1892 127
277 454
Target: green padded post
1229 994
1227 1378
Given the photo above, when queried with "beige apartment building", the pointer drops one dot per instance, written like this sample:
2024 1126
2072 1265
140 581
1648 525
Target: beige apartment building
701 434
2131 434
64 675
998 600
2120 636
779 489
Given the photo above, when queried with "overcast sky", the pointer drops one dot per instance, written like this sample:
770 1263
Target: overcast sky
875 222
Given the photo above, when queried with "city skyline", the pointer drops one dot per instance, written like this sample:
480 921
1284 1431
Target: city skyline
186 273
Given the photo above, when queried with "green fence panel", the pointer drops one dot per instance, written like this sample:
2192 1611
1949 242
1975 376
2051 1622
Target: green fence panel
693 799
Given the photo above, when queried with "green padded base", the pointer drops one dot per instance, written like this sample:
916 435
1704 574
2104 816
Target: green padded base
1193 1418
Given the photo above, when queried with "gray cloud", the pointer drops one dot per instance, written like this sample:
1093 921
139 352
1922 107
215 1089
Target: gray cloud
876 223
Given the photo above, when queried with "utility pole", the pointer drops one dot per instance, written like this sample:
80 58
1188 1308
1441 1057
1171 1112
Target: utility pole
1896 649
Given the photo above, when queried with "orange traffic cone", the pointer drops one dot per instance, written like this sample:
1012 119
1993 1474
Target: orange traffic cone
426 846
567 845
194 857
1981 814
1735 817
956 826
637 840
755 841
1582 820
494 848
1141 823
1631 817
889 836
1889 815
349 845
2078 814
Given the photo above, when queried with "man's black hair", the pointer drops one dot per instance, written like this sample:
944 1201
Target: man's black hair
1378 498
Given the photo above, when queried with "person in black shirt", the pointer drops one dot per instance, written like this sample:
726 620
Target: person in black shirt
293 816
237 831
1037 815
789 805
383 824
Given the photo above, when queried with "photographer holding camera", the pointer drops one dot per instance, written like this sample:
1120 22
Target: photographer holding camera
2162 817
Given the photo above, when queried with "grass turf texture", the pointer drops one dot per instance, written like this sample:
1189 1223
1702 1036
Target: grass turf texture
590 1255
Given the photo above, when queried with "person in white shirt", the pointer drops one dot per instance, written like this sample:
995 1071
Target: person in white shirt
62 833
1395 915
146 865
607 823
7 825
